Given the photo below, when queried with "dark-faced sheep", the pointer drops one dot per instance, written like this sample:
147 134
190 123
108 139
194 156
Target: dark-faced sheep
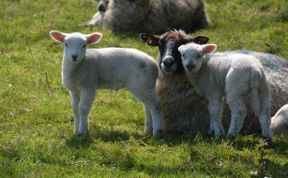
183 109
154 16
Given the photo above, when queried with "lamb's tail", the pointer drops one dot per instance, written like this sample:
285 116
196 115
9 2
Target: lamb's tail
260 95
255 101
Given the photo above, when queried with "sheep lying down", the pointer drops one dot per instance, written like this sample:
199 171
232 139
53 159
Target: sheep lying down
234 77
98 18
154 16
86 70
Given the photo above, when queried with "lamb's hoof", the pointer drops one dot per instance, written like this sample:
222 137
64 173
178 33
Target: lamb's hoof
76 132
148 131
267 142
211 133
83 132
158 134
231 137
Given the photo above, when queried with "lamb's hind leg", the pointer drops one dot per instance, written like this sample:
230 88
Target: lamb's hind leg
264 116
148 121
152 102
238 113
86 99
75 103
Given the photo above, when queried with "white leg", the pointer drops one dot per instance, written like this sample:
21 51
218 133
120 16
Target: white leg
264 116
86 99
148 121
215 112
97 20
157 118
238 113
152 102
75 102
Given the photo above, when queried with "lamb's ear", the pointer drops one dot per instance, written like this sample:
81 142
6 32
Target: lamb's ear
57 36
180 48
151 40
199 39
209 48
93 38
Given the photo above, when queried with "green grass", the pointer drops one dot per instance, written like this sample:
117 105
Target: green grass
36 138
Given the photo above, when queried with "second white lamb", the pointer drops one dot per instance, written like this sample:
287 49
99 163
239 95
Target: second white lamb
233 79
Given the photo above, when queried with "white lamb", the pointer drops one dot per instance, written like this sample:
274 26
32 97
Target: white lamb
279 122
235 77
86 70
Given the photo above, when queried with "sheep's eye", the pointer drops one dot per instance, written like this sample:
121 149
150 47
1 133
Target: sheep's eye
84 46
199 56
66 44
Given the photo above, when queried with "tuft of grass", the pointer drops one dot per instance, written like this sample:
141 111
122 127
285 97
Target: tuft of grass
36 120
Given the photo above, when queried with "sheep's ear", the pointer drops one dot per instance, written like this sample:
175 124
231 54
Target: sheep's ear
209 48
57 36
199 39
151 40
93 38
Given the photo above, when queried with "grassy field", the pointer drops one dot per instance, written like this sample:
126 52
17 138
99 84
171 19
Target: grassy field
36 138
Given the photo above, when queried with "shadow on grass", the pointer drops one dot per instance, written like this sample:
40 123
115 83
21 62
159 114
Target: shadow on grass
106 135
79 141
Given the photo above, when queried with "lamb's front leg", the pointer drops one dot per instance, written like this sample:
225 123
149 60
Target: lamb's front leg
75 98
215 111
87 96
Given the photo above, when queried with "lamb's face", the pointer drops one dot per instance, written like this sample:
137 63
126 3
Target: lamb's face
192 57
75 44
75 47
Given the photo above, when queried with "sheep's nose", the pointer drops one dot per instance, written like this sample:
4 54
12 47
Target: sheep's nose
102 7
74 57
168 61
189 67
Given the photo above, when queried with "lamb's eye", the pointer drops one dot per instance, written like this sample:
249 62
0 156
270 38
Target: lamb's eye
66 44
84 46
199 56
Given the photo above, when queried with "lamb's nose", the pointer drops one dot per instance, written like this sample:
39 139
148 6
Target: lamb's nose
74 57
189 67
